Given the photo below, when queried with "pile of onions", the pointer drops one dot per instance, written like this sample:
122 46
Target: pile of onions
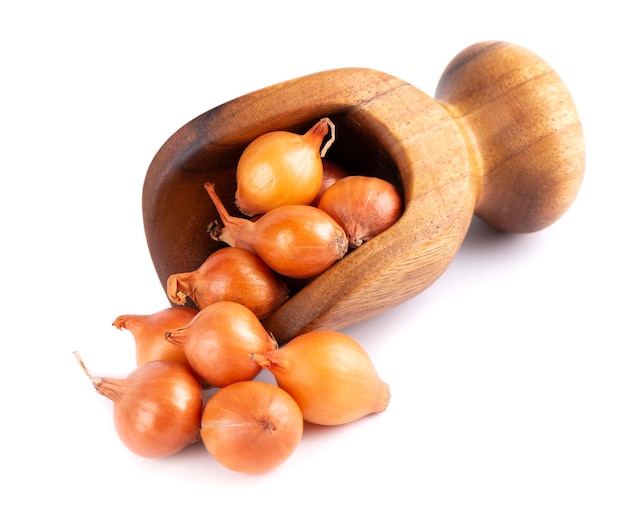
309 213
247 425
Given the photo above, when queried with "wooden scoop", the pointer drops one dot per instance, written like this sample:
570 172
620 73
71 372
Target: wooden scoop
501 138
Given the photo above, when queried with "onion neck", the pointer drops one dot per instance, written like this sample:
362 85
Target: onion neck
261 359
235 231
176 336
176 284
316 135
271 359
112 388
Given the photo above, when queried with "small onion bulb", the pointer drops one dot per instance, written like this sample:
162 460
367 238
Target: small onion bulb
251 427
218 340
296 241
230 274
363 206
329 375
157 409
281 168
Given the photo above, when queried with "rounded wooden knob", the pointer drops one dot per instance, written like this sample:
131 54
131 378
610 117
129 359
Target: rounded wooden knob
523 130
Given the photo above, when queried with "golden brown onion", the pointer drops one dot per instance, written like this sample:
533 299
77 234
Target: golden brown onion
251 427
297 241
329 375
218 341
230 274
281 168
157 409
363 206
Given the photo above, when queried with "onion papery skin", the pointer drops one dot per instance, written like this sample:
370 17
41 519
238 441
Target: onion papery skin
230 274
280 168
148 331
251 427
300 241
218 341
296 241
329 375
363 206
157 409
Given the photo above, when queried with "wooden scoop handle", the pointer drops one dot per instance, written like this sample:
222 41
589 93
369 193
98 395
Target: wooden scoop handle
523 130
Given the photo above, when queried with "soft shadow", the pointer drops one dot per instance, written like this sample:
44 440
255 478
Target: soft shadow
482 235
482 239
315 432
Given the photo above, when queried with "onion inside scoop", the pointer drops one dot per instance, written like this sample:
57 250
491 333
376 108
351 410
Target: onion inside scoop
281 168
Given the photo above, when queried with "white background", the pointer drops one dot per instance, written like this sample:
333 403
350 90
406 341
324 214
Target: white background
508 374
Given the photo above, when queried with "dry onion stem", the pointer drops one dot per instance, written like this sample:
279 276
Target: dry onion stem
157 409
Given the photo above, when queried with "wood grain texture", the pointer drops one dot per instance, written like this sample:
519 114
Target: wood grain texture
471 148
524 131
